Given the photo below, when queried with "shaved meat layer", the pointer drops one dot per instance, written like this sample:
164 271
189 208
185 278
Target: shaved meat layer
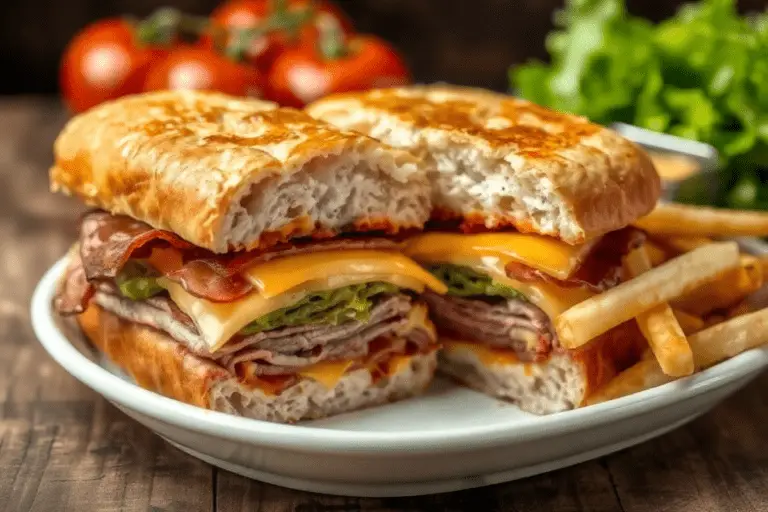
511 324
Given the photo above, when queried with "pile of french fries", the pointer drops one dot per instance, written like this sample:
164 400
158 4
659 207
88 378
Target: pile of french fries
689 291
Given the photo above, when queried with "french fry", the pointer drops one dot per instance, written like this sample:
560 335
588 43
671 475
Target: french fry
687 220
726 291
689 323
643 375
660 327
674 278
655 253
730 338
710 346
681 244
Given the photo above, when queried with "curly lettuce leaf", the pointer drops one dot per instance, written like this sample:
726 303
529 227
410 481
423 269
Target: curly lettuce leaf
465 282
329 307
701 74
137 281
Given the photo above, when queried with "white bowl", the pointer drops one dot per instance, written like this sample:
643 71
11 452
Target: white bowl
449 439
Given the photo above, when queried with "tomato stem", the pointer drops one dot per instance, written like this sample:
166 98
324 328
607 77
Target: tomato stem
281 18
166 25
240 42
291 21
332 42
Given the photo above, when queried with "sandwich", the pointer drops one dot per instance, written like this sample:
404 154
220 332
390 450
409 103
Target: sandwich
532 214
242 257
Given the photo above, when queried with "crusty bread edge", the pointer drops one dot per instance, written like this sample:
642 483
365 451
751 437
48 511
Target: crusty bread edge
160 364
597 213
562 382
595 207
95 161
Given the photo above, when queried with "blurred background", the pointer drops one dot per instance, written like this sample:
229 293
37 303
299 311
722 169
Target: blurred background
695 71
463 41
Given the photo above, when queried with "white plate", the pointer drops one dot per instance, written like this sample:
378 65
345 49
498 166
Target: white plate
447 440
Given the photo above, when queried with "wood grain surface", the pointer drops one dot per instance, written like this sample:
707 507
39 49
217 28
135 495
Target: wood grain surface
62 447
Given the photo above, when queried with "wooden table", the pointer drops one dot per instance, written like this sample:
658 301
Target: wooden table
62 447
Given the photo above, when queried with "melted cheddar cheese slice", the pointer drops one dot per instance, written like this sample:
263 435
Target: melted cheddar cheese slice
327 373
548 255
418 317
275 277
217 322
487 356
284 281
548 297
489 253
398 364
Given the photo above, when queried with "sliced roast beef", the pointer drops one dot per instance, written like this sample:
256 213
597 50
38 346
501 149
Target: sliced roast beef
512 324
73 291
288 340
354 347
278 351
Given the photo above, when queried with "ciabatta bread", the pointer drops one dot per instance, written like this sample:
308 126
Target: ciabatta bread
558 384
499 161
230 174
159 363
563 381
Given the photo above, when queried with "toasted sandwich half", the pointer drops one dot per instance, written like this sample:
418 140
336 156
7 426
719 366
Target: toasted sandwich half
531 215
236 256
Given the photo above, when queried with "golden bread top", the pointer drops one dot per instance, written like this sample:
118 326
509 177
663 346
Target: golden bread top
184 160
502 161
501 122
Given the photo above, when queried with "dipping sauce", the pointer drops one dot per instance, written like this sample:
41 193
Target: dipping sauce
674 167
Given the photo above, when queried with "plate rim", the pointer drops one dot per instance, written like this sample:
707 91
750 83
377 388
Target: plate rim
305 438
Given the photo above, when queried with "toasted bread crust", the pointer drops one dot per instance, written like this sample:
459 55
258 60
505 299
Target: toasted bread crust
603 181
160 364
155 361
565 380
189 162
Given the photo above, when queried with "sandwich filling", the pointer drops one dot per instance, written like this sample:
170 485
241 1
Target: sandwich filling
504 289
317 310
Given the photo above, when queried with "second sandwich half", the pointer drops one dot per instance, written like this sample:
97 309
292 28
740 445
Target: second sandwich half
532 215
236 258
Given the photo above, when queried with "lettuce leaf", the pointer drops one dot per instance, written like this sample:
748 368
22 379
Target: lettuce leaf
701 74
466 282
137 281
330 307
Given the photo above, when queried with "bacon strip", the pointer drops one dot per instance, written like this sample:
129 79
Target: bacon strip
109 241
211 279
601 270
379 352
74 291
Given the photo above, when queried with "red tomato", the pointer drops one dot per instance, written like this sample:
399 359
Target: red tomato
251 13
103 62
302 75
193 67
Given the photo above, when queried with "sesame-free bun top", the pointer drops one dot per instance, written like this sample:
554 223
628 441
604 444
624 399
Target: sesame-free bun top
498 161
230 173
